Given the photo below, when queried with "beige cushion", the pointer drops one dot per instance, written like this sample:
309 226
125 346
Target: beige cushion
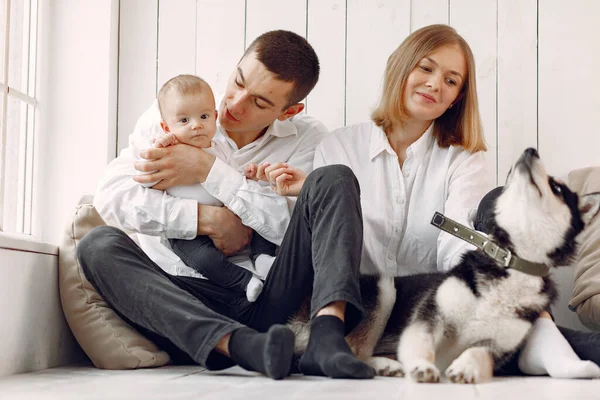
108 341
586 287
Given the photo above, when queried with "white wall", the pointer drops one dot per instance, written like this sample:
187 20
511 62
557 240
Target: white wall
76 134
569 103
530 95
75 138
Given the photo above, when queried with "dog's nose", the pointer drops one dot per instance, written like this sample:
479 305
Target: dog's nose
532 152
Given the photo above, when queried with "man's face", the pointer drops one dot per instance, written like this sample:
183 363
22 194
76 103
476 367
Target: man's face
253 99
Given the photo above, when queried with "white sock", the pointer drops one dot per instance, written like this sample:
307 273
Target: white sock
263 264
254 289
546 351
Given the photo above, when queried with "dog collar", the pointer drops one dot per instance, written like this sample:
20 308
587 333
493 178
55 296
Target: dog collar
502 256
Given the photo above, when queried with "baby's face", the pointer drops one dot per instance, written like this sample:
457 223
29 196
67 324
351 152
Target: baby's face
191 118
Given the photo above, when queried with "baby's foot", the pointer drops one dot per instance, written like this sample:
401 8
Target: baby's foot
263 264
254 289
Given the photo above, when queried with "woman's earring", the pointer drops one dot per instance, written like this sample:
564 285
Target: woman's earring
450 106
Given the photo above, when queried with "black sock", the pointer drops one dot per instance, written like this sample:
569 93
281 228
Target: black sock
328 354
268 353
585 344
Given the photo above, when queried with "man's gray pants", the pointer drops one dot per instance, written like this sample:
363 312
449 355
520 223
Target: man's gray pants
318 258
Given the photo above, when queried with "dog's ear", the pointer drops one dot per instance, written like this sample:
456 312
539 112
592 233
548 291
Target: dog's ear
589 205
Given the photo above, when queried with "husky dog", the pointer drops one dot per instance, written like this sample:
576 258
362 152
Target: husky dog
470 320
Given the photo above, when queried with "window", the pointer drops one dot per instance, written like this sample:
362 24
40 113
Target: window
18 61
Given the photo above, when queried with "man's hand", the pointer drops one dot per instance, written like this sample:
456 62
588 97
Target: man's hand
225 228
176 165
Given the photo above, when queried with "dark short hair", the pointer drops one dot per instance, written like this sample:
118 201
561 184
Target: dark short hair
291 58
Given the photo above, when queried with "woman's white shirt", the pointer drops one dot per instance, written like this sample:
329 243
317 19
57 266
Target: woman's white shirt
398 203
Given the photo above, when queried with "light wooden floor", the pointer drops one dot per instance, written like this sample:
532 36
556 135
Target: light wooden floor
196 383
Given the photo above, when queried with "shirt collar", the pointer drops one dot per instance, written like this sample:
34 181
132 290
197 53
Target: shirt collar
281 128
277 128
420 147
379 143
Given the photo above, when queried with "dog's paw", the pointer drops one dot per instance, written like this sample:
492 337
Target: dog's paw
384 366
423 371
474 365
463 370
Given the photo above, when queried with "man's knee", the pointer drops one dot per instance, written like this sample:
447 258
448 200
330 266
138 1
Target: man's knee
333 176
98 242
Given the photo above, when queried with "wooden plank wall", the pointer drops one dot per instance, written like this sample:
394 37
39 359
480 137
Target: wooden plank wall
537 61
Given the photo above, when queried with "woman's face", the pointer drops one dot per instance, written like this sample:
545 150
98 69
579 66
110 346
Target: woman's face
434 84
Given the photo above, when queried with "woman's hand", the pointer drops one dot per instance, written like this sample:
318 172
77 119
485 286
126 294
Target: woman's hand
284 180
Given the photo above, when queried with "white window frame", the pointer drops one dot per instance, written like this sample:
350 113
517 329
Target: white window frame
23 208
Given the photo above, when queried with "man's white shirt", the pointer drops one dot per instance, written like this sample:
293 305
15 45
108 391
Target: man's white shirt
157 216
398 203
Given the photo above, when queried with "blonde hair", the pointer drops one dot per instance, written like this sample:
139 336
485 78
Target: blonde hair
459 125
184 85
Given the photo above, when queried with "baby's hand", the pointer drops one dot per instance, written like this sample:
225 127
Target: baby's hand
250 171
260 171
165 140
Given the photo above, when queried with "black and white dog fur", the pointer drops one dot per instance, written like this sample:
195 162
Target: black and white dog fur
470 320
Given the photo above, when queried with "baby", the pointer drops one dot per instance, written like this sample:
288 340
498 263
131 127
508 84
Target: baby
188 115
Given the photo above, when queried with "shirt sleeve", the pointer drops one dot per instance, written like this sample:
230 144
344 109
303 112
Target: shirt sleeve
257 205
138 143
331 150
468 183
319 159
123 202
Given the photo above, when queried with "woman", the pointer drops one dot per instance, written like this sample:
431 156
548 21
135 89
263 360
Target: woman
423 152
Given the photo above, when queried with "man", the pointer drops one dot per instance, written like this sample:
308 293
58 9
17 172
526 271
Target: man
320 250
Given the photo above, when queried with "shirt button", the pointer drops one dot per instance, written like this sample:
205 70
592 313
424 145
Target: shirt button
400 200
390 256
405 173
